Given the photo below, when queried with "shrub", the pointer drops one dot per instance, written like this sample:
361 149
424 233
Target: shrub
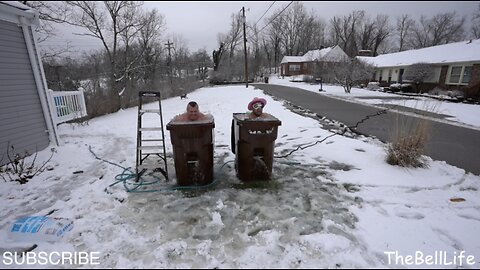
374 86
406 87
456 94
395 87
408 143
18 169
437 91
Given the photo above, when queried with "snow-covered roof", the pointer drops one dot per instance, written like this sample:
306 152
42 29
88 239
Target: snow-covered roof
318 54
15 12
16 4
332 54
294 59
465 51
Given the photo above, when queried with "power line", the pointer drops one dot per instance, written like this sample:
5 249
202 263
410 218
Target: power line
273 18
264 13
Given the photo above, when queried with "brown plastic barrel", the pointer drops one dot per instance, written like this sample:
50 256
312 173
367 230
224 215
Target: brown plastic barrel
193 151
254 145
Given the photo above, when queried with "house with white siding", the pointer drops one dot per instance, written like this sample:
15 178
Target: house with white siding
29 112
455 66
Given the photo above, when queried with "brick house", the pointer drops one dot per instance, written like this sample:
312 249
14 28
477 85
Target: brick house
305 65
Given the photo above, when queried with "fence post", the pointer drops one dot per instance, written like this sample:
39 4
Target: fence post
82 101
53 106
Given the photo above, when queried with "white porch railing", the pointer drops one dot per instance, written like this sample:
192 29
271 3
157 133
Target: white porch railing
67 105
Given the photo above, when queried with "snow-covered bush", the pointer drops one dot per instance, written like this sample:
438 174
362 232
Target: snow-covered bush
437 91
456 94
395 87
406 87
374 86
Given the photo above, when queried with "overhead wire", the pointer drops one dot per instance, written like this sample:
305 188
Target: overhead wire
264 13
272 20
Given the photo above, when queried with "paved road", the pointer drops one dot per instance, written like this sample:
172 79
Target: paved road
456 145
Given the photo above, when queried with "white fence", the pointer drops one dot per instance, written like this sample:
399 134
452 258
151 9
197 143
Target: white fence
67 105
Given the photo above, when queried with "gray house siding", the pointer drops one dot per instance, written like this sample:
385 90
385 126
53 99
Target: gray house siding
21 117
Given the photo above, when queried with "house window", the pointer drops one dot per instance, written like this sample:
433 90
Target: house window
460 74
467 73
294 67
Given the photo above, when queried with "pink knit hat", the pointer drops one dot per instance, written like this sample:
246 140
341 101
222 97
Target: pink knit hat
256 100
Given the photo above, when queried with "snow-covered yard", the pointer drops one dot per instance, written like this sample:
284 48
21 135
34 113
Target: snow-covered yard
337 204
459 113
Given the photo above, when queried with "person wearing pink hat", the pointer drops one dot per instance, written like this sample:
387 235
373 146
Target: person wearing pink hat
256 107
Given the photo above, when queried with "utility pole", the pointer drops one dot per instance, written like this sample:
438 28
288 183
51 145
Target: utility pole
169 60
245 47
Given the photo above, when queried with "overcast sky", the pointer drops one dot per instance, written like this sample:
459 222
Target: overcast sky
199 23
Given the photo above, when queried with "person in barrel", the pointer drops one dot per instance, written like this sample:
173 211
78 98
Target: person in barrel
192 114
256 107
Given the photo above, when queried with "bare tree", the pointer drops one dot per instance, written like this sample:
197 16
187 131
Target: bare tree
50 14
382 32
447 28
132 24
202 61
344 29
351 73
234 36
366 34
103 21
476 23
312 33
371 34
298 31
150 48
442 28
420 34
180 56
290 24
274 40
404 28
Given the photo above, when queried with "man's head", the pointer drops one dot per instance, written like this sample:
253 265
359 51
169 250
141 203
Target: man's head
192 111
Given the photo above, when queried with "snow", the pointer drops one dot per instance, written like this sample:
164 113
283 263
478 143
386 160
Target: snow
456 113
464 51
331 54
294 59
337 204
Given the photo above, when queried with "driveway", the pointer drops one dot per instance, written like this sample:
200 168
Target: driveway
459 146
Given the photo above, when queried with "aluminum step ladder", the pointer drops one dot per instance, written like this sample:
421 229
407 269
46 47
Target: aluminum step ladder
151 153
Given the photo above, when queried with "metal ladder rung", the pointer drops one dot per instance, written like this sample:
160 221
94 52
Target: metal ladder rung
151 129
149 147
153 153
152 140
150 111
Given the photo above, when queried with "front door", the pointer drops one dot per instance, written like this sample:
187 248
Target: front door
400 75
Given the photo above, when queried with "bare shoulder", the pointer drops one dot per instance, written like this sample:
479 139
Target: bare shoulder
180 117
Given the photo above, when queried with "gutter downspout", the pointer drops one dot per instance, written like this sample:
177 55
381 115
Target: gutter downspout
39 80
